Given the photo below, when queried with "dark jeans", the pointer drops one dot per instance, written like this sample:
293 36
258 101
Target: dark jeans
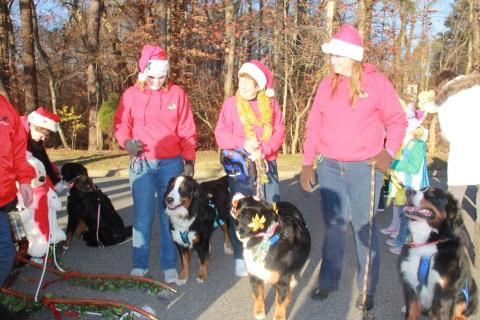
247 188
7 249
345 195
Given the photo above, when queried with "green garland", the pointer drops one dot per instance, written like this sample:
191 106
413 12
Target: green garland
115 285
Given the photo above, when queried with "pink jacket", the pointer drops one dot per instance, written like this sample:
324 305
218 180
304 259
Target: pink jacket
230 134
161 119
13 163
336 131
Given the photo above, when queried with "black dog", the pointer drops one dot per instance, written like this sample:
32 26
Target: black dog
193 215
84 202
276 244
434 267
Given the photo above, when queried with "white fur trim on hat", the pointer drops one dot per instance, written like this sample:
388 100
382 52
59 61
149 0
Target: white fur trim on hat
156 68
38 120
270 92
344 49
253 71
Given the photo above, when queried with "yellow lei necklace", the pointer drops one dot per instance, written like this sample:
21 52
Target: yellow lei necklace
249 118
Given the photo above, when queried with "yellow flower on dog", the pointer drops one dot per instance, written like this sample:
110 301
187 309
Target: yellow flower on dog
257 223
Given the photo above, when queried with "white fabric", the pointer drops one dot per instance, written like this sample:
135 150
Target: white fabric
253 71
344 49
156 68
459 117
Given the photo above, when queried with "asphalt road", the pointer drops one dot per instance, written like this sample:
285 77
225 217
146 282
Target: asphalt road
224 296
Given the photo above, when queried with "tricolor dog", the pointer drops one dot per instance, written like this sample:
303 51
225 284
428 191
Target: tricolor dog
195 212
434 267
276 245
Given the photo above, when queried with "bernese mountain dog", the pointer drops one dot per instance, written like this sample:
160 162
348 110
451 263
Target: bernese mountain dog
195 210
276 245
434 266
91 214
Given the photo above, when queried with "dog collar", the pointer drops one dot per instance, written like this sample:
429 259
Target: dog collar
417 245
260 250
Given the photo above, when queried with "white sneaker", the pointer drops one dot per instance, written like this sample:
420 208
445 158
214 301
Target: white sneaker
139 272
240 268
171 276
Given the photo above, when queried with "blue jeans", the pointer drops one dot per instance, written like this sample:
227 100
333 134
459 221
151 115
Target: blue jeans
345 195
247 188
7 250
147 179
403 232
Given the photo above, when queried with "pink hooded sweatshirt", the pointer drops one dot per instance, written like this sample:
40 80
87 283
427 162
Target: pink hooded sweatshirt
161 119
230 134
337 131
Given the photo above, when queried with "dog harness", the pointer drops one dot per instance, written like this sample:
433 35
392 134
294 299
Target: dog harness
269 238
217 222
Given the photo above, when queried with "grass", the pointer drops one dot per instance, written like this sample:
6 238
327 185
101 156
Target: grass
206 160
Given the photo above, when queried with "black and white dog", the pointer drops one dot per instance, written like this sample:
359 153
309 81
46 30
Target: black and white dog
195 210
89 208
435 268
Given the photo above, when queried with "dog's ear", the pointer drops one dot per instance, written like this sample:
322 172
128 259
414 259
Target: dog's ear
198 200
171 182
454 217
236 198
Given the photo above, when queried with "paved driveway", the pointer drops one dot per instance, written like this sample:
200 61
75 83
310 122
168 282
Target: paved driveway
225 296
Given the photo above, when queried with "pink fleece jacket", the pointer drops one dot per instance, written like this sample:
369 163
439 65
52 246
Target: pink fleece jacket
161 119
230 134
337 131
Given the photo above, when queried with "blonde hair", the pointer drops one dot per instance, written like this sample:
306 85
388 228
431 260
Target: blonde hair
141 84
354 84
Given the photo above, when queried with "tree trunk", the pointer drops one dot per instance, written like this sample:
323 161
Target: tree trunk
95 140
474 41
364 18
230 50
4 57
161 21
399 41
52 82
29 67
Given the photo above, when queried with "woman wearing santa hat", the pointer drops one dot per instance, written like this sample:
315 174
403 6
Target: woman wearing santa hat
252 121
355 121
154 123
39 125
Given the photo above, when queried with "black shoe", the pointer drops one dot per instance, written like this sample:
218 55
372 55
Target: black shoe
319 294
368 302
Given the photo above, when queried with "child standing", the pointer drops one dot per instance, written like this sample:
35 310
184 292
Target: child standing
409 172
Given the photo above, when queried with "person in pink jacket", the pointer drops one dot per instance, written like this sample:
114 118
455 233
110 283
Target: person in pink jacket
154 123
356 121
251 123
13 168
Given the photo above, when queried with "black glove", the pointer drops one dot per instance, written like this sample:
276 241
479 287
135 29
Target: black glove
134 147
189 168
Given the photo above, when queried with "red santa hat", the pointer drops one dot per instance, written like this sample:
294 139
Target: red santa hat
261 74
347 42
153 62
44 119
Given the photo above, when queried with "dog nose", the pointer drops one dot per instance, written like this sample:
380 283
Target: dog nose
41 179
169 199
411 192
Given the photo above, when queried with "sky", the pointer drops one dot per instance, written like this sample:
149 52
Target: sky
443 9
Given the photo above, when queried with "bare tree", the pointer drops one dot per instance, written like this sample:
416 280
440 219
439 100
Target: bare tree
29 66
230 21
364 18
161 12
4 61
474 39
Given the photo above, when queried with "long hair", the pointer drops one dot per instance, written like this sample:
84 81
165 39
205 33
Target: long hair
354 84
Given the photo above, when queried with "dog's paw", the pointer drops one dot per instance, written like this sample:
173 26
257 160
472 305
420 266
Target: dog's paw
259 316
228 251
200 280
181 282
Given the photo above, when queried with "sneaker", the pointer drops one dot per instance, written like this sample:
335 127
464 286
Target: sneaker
240 268
139 272
395 250
389 230
392 242
171 276
319 294
368 302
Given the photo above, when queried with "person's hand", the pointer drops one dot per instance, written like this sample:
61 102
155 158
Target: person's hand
134 147
27 194
251 145
255 155
382 161
189 168
307 178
